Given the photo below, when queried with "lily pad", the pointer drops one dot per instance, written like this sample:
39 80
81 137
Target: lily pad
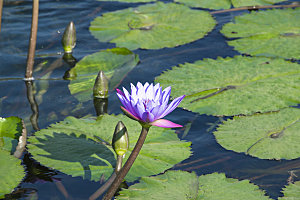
76 147
152 26
266 33
10 131
274 135
11 173
232 86
115 63
291 192
225 4
185 185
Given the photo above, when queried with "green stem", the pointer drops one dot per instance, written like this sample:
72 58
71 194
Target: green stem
123 172
1 6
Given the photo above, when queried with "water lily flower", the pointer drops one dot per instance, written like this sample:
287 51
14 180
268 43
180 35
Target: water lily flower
148 104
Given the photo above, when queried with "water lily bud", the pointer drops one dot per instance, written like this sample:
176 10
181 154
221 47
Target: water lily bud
101 86
101 105
120 141
69 38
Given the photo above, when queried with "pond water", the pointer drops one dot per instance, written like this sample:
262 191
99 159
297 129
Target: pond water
55 101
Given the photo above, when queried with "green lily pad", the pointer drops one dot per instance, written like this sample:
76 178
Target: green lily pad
225 4
232 86
152 26
75 147
115 63
274 135
11 173
291 192
10 131
185 185
266 33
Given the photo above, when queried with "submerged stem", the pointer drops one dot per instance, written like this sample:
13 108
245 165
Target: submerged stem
123 172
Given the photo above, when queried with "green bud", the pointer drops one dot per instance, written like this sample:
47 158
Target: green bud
101 86
69 38
120 141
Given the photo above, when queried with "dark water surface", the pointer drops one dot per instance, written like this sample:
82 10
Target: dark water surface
55 102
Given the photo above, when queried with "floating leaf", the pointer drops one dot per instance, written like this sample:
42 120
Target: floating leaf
291 192
217 186
274 135
115 63
76 147
152 26
10 131
225 4
11 173
266 33
232 86
185 185
210 4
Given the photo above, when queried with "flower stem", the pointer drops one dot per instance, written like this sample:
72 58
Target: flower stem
123 172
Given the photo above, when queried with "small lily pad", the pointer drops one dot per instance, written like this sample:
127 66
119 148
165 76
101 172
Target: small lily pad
10 131
274 135
81 147
185 185
273 33
11 173
152 26
232 86
225 4
291 192
115 63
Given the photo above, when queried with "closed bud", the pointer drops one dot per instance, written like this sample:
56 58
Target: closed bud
120 141
69 38
101 86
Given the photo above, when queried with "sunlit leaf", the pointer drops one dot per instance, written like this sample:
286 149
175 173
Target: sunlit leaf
266 33
10 131
291 192
225 4
232 86
11 173
75 147
185 185
115 63
274 135
152 26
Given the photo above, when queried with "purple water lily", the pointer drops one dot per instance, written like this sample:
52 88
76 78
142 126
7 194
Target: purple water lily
148 104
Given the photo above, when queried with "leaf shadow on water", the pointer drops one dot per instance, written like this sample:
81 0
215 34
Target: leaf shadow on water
80 149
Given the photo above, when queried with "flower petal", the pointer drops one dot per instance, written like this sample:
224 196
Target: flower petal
129 114
165 123
172 106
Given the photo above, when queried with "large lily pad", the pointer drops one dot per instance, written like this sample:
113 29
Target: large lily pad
115 63
152 26
75 147
266 33
232 86
11 173
185 185
10 131
291 192
274 135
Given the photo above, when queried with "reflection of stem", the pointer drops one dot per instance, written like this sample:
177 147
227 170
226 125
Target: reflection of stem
104 187
255 8
33 104
62 189
22 142
123 172
32 41
1 6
